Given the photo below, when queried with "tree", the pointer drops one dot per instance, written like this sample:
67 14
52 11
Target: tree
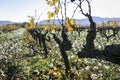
68 22
92 31
64 44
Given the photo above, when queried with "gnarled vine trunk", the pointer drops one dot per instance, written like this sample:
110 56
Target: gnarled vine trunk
63 47
91 35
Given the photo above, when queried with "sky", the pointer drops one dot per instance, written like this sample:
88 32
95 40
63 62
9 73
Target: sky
19 10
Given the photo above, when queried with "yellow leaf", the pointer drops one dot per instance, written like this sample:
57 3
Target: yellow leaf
57 9
70 29
51 71
50 14
27 26
52 29
55 68
31 22
69 21
46 27
72 22
53 59
60 63
55 1
50 3
59 75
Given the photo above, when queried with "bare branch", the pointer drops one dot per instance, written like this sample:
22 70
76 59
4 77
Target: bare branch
61 12
65 9
81 9
75 11
89 7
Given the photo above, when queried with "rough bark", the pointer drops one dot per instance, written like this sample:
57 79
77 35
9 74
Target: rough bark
36 33
63 52
91 35
92 32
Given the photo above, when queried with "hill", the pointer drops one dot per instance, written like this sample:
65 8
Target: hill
98 20
84 21
6 22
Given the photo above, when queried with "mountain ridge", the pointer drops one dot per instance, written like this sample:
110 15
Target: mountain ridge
84 21
6 22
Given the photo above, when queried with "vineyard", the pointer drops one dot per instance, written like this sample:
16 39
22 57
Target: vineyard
45 60
68 51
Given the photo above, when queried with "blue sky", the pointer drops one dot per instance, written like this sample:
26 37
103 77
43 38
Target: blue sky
18 10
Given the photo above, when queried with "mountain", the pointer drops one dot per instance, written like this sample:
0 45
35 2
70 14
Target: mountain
6 22
84 21
98 20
